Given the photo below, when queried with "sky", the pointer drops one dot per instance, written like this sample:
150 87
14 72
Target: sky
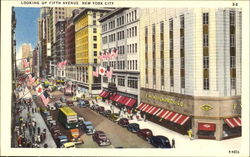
26 27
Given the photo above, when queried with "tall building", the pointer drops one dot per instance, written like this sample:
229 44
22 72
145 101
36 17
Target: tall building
13 45
191 70
87 46
26 50
120 30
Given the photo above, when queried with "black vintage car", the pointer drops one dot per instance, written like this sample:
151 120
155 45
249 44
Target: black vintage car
100 138
159 141
133 127
123 122
106 113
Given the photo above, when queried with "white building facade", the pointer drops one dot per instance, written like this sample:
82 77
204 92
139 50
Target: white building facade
191 67
120 30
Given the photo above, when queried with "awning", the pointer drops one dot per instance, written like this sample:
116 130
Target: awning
120 99
102 93
130 102
125 100
112 97
106 95
140 106
116 97
206 126
233 122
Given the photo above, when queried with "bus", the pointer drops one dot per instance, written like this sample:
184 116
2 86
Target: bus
67 117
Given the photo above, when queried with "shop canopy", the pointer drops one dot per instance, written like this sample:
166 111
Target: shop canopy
113 96
123 100
206 126
233 122
164 114
104 94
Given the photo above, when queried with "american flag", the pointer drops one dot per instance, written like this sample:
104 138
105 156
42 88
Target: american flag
25 62
95 71
109 72
45 98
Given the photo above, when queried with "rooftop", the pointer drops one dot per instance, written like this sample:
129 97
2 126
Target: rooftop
112 13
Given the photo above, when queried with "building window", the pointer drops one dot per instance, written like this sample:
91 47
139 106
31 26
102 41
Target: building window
95 53
95 61
171 63
133 82
94 15
232 18
135 15
94 22
105 79
182 21
205 40
135 47
94 30
232 40
182 63
171 81
101 15
233 83
171 44
182 42
182 82
121 80
232 62
171 25
95 38
205 18
135 30
206 84
205 62
95 46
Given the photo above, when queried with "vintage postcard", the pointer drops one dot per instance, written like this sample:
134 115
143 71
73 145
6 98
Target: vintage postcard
124 78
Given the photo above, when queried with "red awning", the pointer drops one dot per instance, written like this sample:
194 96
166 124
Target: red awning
155 111
181 119
145 108
112 97
125 100
120 100
101 94
233 122
140 106
106 94
130 102
206 126
116 97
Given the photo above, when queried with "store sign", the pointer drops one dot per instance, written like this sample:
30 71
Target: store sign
206 107
167 100
206 126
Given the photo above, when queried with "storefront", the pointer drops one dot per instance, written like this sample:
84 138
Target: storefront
215 118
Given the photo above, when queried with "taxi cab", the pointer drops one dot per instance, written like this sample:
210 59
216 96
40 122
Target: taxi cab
68 145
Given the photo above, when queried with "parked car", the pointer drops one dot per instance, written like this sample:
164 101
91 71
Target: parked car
58 105
145 133
80 120
51 123
61 140
94 107
82 103
133 127
70 103
100 138
107 113
159 141
52 96
55 132
68 145
88 128
100 109
63 99
74 99
123 122
114 117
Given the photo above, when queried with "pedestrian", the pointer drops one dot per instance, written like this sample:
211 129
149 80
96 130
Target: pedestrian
42 138
32 110
26 124
144 117
38 109
38 130
173 143
35 109
30 131
34 130
35 123
38 138
33 139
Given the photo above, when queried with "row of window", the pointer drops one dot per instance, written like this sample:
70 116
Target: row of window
131 16
112 37
132 81
132 32
120 35
132 48
120 21
132 65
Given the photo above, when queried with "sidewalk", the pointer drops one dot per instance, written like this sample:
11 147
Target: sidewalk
182 141
39 121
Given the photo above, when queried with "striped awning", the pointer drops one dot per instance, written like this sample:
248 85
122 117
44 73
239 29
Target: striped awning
104 94
112 97
164 114
233 122
130 102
